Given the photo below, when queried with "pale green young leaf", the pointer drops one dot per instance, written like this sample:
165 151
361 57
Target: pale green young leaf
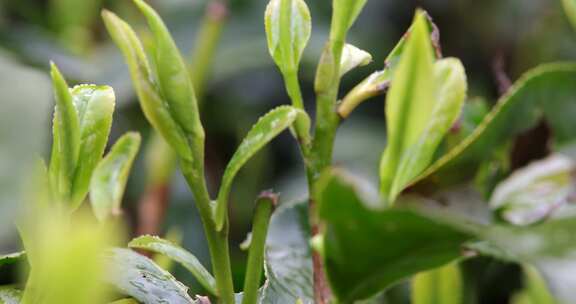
139 277
288 27
154 107
570 9
95 107
10 294
178 254
535 289
66 137
173 77
353 57
109 179
344 15
450 93
267 127
438 286
532 193
409 104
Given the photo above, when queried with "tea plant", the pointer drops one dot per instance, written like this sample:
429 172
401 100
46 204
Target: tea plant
448 192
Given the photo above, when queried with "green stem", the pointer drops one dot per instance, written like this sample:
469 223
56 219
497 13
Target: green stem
264 207
217 240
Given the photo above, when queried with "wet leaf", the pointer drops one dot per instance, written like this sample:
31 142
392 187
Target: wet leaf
178 254
95 107
267 127
137 276
10 295
394 243
288 27
110 177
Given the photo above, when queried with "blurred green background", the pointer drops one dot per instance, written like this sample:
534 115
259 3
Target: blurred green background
243 83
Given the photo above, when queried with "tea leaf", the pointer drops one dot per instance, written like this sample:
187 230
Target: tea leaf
353 57
288 28
535 289
345 14
394 243
289 256
178 254
154 107
125 301
66 137
534 192
570 9
267 127
137 276
173 77
544 92
95 107
110 177
416 125
10 295
439 286
450 79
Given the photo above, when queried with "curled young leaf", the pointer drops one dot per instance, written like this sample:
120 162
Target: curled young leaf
534 192
424 101
173 77
178 254
95 107
353 57
288 28
66 138
267 127
154 107
109 179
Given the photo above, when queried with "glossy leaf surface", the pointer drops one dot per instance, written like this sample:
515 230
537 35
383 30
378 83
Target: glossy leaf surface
178 254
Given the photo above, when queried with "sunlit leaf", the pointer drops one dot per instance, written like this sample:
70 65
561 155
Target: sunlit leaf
95 107
288 28
137 276
267 127
110 177
393 244
353 57
438 286
178 254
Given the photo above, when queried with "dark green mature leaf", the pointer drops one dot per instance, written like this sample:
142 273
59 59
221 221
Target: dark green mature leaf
289 256
267 127
154 107
66 137
95 107
532 193
424 101
288 27
544 92
393 244
137 276
178 254
10 295
439 286
173 77
110 177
